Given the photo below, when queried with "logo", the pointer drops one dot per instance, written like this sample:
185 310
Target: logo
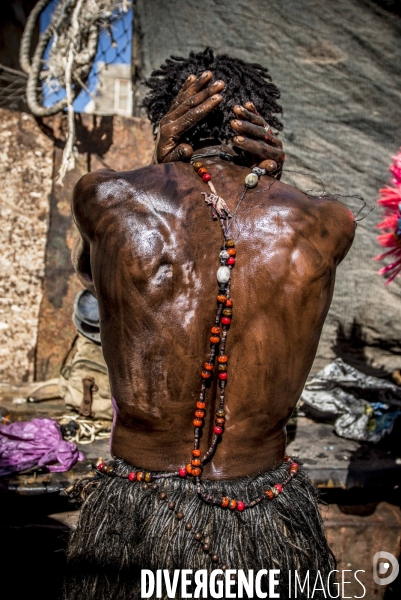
384 562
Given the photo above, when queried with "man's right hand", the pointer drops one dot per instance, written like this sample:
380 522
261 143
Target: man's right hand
195 100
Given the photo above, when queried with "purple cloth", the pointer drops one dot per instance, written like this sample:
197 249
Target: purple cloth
25 444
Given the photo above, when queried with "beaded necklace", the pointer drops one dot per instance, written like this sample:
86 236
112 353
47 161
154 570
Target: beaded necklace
218 340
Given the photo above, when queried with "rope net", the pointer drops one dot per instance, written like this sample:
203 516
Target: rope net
82 38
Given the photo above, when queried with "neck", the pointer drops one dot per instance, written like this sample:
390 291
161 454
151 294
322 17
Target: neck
222 151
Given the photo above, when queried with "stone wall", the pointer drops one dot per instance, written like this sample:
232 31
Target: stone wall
26 164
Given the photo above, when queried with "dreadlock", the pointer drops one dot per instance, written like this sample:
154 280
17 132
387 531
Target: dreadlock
245 82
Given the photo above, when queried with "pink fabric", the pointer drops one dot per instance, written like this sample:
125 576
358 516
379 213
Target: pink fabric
25 444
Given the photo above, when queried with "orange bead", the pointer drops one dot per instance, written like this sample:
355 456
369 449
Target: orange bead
214 340
222 359
225 502
206 374
199 414
196 452
220 421
201 405
229 303
140 475
188 468
197 423
208 367
221 299
196 471
195 462
269 494
216 330
231 251
202 171
232 505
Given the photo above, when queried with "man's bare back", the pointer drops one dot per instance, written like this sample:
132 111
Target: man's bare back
153 250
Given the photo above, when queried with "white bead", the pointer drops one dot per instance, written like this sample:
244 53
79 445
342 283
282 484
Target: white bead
223 275
224 254
251 180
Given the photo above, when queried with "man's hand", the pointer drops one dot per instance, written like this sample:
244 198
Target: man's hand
195 100
255 136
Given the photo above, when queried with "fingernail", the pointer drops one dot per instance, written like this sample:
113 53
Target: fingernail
218 82
191 77
237 122
205 74
240 138
216 97
241 108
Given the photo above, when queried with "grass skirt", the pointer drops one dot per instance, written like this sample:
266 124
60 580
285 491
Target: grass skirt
123 529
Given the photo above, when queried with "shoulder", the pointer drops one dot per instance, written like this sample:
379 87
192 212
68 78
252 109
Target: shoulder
324 220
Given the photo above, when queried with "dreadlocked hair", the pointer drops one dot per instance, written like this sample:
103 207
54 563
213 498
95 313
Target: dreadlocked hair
245 82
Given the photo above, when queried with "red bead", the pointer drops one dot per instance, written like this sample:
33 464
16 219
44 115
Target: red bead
279 487
231 261
132 476
101 466
183 472
226 320
222 376
206 177
218 430
240 505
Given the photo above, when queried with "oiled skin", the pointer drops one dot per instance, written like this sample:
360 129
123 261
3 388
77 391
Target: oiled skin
151 247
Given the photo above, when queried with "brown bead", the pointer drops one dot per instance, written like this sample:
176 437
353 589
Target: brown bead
208 367
225 501
140 476
227 312
179 515
201 405
206 547
198 536
229 303
207 374
220 421
199 414
155 486
188 468
229 244
216 330
195 462
197 422
162 495
232 505
231 251
171 505
188 526
197 166
220 412
145 486
196 471
215 557
221 298
214 339
224 567
222 359
223 367
196 452
110 470
148 477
